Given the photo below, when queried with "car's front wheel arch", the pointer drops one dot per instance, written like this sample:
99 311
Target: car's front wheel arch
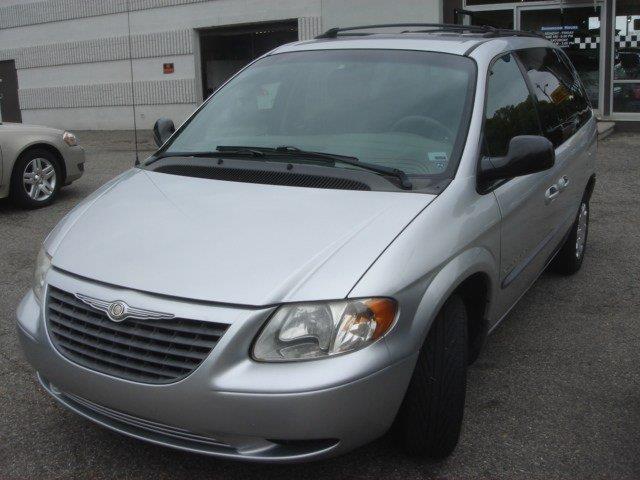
36 178
474 292
52 150
473 275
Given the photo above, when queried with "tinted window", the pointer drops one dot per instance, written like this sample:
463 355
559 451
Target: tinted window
561 100
510 109
582 103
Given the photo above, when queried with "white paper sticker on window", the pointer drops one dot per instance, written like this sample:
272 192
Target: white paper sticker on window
438 160
267 96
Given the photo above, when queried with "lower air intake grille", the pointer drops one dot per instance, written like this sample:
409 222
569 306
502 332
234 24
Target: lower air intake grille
137 423
149 351
267 177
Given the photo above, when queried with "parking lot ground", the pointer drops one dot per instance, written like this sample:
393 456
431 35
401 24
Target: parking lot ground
555 393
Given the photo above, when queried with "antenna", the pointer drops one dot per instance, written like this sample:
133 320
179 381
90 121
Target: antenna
133 93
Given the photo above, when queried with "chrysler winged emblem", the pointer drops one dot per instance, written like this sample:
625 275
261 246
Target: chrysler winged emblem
117 310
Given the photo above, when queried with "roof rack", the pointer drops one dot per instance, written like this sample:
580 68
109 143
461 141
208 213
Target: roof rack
484 30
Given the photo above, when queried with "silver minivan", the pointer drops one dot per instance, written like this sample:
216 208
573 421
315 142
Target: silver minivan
319 252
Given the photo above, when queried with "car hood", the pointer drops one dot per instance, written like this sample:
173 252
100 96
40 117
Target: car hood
228 242
24 128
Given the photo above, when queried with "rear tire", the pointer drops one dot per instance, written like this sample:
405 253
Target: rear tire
569 259
36 179
431 414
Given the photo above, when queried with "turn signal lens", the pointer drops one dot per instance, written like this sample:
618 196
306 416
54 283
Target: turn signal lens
70 139
384 313
318 330
43 264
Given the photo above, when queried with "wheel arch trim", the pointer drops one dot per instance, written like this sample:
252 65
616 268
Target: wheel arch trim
591 185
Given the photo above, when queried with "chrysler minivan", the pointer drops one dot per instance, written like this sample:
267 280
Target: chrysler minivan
319 252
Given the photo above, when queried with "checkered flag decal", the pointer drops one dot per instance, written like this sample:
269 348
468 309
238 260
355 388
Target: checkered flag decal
586 43
622 41
625 41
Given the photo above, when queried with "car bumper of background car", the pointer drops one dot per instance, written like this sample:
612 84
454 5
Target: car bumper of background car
232 406
74 158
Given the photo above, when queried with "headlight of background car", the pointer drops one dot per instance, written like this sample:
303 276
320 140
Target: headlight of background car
43 263
317 330
70 139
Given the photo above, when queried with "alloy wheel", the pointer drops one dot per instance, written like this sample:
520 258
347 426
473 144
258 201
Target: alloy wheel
39 179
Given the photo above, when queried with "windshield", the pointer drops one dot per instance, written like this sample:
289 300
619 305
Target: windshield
393 108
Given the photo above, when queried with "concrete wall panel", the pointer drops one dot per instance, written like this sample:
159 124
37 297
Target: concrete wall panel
72 56
148 45
344 13
107 118
147 92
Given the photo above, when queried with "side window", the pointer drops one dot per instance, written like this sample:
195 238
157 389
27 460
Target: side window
561 101
509 109
581 97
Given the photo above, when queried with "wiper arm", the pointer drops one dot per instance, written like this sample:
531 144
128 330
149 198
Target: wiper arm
253 151
405 183
225 152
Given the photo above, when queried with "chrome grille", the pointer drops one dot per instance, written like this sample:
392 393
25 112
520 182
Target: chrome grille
149 351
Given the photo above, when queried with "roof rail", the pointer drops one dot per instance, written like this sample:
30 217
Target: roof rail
485 30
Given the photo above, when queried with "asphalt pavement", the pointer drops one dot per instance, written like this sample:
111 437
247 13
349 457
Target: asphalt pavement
555 393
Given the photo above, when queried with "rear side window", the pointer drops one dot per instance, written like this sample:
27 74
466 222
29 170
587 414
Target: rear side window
509 109
582 102
561 101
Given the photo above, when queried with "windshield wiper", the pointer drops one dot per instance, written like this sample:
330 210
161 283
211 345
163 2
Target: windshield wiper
405 183
288 150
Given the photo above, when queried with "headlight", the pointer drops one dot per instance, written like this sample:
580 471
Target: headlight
318 330
43 263
70 139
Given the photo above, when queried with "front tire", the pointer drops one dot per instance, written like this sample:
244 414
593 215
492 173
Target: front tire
36 179
430 418
569 259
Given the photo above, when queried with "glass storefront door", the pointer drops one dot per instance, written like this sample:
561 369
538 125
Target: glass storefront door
626 57
575 28
577 31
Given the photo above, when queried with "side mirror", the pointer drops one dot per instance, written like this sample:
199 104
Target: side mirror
527 154
162 130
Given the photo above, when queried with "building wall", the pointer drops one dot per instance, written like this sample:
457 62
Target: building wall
72 56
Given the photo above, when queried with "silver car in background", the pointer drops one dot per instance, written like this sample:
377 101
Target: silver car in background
321 249
36 162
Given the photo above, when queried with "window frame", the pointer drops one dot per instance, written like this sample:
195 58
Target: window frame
564 58
574 72
483 190
440 180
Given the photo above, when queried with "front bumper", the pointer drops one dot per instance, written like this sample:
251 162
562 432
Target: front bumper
74 158
230 406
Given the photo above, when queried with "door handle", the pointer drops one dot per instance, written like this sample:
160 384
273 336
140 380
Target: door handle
563 182
550 195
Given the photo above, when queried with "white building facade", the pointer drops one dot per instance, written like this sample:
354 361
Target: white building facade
80 64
